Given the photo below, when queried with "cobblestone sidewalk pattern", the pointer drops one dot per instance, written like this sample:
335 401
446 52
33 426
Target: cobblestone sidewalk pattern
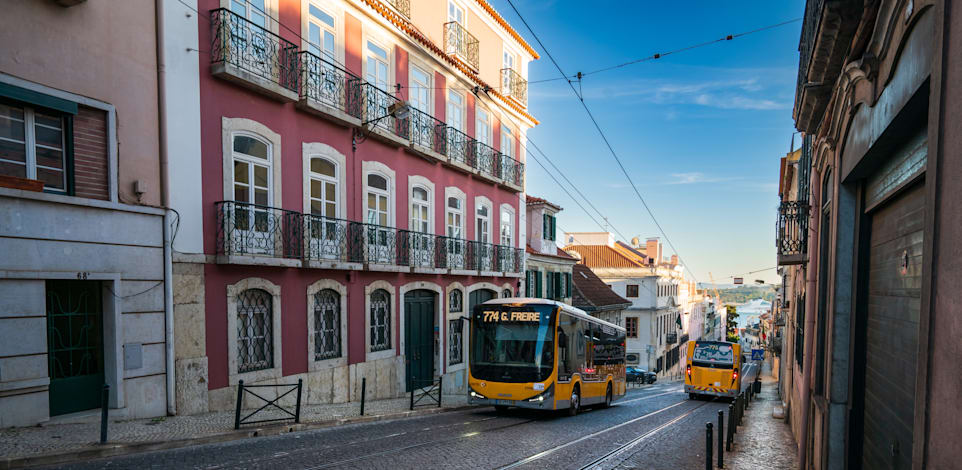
763 441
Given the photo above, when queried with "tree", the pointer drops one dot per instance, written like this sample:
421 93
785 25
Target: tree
731 327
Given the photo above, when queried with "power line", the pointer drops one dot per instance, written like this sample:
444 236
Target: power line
605 138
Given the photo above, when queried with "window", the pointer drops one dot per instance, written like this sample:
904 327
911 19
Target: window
456 301
323 197
320 33
455 113
420 210
507 63
507 142
549 227
456 13
507 219
254 10
377 200
33 145
482 131
420 90
327 324
252 170
483 224
380 320
455 341
506 293
377 68
455 216
631 290
255 342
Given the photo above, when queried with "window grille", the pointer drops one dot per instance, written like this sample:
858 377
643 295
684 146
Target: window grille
456 301
255 341
380 320
455 342
506 293
327 324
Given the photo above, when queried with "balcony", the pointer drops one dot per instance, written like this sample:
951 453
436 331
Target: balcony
251 234
253 57
514 87
377 105
401 6
328 90
511 172
458 146
791 238
427 135
459 43
671 338
484 159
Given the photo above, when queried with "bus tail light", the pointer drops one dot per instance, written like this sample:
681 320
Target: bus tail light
689 371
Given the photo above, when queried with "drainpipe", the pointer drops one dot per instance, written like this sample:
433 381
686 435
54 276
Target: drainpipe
165 202
811 276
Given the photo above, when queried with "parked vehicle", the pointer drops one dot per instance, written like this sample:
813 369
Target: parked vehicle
652 377
639 375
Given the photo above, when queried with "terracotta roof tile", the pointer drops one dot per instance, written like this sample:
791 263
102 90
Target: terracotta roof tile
590 293
531 200
604 256
560 254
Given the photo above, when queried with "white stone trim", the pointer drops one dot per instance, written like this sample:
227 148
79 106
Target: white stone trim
368 167
508 286
271 12
478 286
229 126
464 300
418 180
310 150
233 290
341 289
482 200
514 223
439 315
453 316
392 291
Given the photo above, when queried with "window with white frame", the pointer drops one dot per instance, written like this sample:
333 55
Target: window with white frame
255 339
378 200
507 142
254 11
482 131
323 197
507 221
455 218
321 33
420 90
327 324
456 13
377 67
483 218
455 111
506 293
252 170
456 301
420 210
380 320
32 145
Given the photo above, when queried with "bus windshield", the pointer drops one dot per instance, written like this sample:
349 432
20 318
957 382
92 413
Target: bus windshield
512 343
713 354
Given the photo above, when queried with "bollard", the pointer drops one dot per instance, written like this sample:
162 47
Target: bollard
708 443
104 403
363 394
731 427
440 382
297 409
240 396
412 396
721 439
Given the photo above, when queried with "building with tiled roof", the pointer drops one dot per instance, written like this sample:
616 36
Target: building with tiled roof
594 296
547 267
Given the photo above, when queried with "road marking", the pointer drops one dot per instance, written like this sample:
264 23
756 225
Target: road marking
589 436
645 397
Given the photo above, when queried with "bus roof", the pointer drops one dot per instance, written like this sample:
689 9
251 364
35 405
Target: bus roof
573 311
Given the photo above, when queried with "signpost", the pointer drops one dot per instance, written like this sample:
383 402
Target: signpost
739 281
758 354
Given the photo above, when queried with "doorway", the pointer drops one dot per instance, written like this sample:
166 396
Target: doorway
75 347
419 315
480 296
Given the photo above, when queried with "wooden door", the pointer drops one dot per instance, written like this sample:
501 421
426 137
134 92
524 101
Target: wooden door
419 308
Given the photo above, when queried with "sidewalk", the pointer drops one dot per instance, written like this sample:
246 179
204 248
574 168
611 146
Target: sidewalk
763 441
60 442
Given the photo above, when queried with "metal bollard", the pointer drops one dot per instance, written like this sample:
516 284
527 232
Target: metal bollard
731 427
363 394
297 409
708 443
240 397
412 396
721 439
104 403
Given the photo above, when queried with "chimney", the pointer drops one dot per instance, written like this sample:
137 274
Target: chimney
674 260
653 250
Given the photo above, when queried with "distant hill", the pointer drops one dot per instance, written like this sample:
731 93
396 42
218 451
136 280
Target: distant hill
742 294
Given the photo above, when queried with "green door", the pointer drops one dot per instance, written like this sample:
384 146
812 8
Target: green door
418 338
74 345
480 296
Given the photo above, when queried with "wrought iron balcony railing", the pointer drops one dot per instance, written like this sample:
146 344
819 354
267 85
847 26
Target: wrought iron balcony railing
510 170
483 158
424 249
451 252
402 6
376 105
791 238
481 256
510 259
385 245
671 338
329 239
427 132
461 44
513 86
324 82
251 229
458 146
238 42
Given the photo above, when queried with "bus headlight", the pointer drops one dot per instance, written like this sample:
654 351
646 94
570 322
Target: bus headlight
546 395
474 394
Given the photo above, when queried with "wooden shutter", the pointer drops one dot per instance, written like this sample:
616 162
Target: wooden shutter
545 226
537 282
549 288
567 284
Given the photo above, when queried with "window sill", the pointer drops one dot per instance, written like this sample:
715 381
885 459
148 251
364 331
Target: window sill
378 355
256 376
325 364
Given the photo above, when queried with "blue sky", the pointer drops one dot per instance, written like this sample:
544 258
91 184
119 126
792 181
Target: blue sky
701 132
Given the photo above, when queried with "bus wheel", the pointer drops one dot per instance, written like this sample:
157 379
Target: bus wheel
575 404
692 396
607 398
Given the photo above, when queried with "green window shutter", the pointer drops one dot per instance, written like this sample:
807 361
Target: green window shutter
567 284
554 228
545 226
527 283
537 282
549 289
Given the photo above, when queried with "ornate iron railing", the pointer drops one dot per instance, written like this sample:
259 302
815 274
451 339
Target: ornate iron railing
510 170
458 146
481 256
251 229
423 249
451 253
483 158
329 239
402 6
509 259
791 238
427 131
238 42
324 82
513 86
671 338
460 43
806 45
376 104
384 245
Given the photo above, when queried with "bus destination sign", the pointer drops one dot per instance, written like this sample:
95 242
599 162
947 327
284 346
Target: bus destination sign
492 316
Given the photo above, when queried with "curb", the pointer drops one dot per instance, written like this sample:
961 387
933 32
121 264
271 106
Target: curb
113 450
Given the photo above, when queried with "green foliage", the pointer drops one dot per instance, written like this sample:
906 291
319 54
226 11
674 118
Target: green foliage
732 338
731 323
743 294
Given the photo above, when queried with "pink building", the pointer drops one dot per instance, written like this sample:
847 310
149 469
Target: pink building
355 189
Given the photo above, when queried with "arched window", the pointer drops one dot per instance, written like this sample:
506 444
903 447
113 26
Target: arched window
506 293
456 301
252 170
255 341
483 234
378 206
324 187
420 210
327 324
380 320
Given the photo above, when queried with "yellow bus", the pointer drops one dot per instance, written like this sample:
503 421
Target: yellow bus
544 355
714 369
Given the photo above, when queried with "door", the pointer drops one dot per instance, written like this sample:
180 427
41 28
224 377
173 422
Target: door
891 330
74 345
480 296
255 224
419 308
326 235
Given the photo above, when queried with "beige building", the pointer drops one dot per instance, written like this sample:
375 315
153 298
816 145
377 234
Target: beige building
547 267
